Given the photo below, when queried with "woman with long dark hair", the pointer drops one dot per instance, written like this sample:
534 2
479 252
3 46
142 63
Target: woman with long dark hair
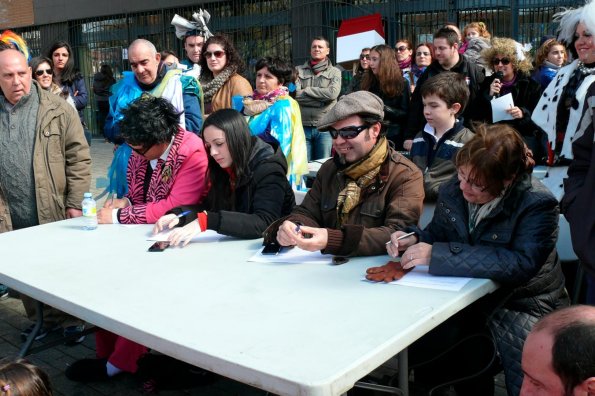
384 78
67 77
221 67
42 71
249 189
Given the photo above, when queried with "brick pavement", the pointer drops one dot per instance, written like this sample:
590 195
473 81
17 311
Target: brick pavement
55 360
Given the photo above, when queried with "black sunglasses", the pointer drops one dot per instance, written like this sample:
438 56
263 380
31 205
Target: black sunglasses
348 132
39 72
401 48
362 57
504 61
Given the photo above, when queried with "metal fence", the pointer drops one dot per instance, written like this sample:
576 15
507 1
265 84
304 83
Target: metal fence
284 28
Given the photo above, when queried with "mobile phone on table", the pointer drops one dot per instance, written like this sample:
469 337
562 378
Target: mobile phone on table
159 246
271 248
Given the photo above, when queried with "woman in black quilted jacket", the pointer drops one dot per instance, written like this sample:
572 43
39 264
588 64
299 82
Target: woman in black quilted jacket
493 220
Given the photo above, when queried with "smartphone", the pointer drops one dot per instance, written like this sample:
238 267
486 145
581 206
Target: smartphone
159 246
271 248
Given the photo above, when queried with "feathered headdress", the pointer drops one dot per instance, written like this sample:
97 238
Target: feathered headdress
196 27
15 41
569 18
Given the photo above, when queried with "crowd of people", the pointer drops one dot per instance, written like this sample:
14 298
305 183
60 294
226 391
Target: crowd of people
198 148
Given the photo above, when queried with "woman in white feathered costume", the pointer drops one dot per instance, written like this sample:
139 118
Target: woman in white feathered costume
560 108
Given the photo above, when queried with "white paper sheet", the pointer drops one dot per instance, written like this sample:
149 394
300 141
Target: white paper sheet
293 256
419 277
206 236
499 107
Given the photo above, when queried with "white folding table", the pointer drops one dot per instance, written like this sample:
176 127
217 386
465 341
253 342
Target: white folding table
292 329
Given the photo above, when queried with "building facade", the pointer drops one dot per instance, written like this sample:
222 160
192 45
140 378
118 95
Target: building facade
100 31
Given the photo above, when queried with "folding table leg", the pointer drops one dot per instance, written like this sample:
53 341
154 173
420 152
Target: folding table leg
403 359
38 324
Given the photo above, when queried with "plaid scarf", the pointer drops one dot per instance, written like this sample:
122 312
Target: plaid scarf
360 175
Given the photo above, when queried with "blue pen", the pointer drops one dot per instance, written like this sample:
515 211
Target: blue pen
184 213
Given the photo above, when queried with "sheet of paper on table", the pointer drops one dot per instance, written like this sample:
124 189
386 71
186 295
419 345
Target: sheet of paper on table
292 256
419 277
499 107
206 236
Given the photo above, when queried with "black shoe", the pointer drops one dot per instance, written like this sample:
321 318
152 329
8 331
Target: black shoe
74 335
87 370
43 332
3 291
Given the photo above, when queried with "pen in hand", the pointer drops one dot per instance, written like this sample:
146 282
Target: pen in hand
184 213
401 237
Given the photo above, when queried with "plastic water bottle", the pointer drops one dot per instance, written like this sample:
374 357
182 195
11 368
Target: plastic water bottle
89 212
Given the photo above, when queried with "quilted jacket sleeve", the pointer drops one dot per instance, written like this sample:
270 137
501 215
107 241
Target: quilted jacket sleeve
510 250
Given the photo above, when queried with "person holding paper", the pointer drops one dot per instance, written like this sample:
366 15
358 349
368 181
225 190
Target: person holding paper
512 76
361 196
249 188
492 220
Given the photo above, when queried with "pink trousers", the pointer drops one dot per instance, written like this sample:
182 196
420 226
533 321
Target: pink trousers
119 351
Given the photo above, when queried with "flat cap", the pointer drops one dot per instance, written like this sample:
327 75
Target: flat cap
362 103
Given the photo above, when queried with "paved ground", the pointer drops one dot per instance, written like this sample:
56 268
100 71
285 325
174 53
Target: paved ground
55 360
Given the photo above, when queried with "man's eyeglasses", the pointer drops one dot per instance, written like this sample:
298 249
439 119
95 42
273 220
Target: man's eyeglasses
366 56
142 151
402 48
348 132
497 61
39 72
218 54
422 53
473 186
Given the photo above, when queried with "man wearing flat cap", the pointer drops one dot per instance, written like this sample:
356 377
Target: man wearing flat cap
366 192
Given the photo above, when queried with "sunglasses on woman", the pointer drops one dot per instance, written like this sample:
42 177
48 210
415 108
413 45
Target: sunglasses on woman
218 54
402 48
348 132
362 57
39 72
497 61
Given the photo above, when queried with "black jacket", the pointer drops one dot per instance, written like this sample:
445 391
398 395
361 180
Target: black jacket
579 187
515 245
472 71
526 92
262 196
395 112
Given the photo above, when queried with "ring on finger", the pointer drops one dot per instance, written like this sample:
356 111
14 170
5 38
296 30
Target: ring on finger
410 257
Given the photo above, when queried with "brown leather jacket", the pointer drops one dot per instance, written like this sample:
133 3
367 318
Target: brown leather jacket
235 86
393 201
61 161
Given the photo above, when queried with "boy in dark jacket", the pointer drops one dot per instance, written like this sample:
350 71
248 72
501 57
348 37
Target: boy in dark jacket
433 150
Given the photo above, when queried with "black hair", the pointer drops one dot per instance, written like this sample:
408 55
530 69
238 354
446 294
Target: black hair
69 74
277 67
233 57
239 142
148 121
573 354
38 60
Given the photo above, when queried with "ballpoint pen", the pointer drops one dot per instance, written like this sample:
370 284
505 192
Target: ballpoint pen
401 237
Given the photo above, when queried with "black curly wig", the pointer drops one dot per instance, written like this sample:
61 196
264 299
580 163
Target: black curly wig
148 121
